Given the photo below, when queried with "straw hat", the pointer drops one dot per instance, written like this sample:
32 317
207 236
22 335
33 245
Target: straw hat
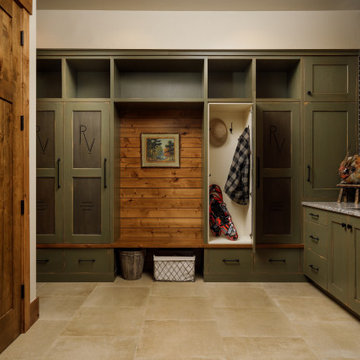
218 132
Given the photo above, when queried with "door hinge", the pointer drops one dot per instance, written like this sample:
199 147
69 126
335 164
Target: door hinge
22 207
22 291
22 38
22 122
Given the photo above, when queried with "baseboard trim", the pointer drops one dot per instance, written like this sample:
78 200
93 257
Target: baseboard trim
34 311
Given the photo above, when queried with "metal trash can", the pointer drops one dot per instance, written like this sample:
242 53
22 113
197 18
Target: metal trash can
132 264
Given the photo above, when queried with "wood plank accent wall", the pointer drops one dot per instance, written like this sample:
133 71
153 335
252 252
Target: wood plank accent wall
160 207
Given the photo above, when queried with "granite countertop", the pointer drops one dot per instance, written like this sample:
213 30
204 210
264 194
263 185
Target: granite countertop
342 208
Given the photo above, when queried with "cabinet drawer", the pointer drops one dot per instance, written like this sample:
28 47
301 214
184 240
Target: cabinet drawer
316 268
227 261
273 261
316 238
89 261
49 261
316 216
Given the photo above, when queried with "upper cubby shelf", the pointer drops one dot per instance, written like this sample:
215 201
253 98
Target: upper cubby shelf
48 78
229 79
278 78
88 78
158 79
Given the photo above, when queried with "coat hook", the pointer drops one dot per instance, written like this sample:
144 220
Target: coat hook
231 128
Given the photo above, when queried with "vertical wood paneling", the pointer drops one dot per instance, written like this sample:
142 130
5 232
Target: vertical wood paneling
159 207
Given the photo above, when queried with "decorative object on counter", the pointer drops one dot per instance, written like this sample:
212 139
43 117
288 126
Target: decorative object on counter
219 217
343 192
160 150
218 132
349 172
237 183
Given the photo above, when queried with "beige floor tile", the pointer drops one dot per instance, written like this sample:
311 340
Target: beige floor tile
292 289
66 289
90 348
240 297
179 308
146 280
36 342
117 296
106 321
179 289
253 322
311 309
59 307
267 348
332 340
185 339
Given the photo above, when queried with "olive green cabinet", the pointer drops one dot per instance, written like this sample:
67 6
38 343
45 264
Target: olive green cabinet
278 170
330 78
330 132
354 262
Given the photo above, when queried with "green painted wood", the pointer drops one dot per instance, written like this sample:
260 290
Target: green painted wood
330 78
338 278
354 272
275 261
43 143
315 216
50 261
93 175
227 261
316 268
316 238
330 131
278 187
49 78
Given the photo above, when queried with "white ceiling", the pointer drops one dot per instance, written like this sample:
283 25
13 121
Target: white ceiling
200 5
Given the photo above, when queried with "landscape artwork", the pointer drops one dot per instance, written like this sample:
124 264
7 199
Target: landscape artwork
160 150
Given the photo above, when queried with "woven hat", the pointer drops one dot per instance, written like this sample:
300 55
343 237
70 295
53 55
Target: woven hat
218 132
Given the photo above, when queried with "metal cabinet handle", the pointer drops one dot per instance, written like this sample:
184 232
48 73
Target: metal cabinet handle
231 261
308 174
277 260
87 260
42 261
314 238
314 268
58 173
309 93
349 227
105 182
315 216
343 225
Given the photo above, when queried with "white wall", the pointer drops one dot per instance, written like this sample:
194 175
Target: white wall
32 151
74 29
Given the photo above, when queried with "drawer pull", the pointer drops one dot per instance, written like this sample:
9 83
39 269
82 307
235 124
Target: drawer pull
277 260
349 227
314 238
42 261
315 216
314 268
87 260
231 261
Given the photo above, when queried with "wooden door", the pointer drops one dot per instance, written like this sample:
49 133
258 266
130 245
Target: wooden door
86 176
354 278
330 78
10 242
338 276
330 131
278 168
50 165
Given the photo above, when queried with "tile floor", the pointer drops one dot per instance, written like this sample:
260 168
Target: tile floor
146 320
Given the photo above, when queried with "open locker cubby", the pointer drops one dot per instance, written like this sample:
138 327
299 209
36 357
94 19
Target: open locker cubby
48 78
88 78
229 78
236 117
159 79
278 78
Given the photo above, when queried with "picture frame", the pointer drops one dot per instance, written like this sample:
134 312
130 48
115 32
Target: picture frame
160 150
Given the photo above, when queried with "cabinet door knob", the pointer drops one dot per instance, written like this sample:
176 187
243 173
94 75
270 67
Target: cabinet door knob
349 227
309 92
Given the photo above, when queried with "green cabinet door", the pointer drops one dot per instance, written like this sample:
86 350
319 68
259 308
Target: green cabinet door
87 200
278 169
49 182
354 278
330 131
338 274
330 78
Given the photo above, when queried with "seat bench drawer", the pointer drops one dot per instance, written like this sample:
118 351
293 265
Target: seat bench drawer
49 261
316 268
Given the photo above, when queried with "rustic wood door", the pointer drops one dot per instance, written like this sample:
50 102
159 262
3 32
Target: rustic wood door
10 243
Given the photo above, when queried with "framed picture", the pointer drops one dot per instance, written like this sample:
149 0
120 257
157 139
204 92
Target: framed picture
160 150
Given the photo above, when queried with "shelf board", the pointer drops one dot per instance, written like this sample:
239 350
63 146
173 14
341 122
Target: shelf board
278 99
231 100
158 100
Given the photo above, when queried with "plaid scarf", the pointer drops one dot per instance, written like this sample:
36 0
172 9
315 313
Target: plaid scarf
237 183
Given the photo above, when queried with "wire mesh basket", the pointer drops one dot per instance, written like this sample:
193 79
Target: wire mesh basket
174 268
